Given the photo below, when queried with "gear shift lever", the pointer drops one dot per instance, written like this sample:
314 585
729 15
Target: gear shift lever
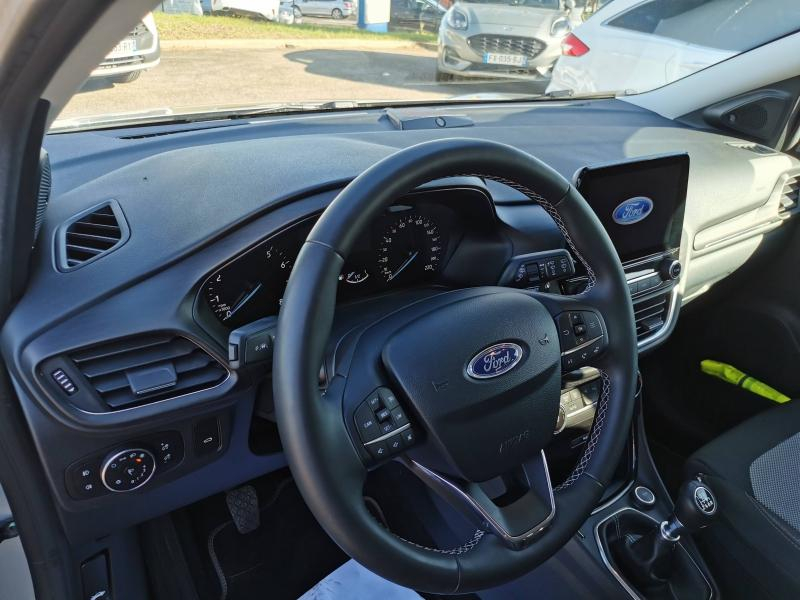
695 508
648 559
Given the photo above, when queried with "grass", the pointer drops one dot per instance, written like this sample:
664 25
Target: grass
192 27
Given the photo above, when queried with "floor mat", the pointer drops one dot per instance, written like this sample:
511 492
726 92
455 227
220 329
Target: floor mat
282 558
354 582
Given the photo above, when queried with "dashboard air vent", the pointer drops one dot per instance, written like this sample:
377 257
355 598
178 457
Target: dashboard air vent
790 194
650 315
147 368
90 235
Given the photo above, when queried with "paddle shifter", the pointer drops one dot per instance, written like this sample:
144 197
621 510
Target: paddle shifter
648 559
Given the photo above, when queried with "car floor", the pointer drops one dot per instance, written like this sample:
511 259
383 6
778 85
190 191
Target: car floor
286 555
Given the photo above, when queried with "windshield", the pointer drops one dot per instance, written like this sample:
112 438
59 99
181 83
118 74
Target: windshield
533 3
204 59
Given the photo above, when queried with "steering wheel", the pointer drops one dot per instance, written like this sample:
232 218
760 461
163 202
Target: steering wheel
470 378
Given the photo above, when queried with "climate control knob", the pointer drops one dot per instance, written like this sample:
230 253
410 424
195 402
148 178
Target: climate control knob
127 470
670 269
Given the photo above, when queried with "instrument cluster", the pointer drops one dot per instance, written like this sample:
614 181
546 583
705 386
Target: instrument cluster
407 245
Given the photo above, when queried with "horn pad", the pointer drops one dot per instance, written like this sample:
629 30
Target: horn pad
483 375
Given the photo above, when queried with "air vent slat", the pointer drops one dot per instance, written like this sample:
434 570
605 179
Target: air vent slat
137 358
91 235
110 368
650 315
790 194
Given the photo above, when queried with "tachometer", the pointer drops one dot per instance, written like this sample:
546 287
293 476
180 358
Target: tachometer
250 287
411 247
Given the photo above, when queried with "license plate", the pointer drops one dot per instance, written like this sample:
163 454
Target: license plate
123 48
512 60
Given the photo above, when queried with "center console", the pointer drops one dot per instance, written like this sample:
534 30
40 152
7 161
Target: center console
641 204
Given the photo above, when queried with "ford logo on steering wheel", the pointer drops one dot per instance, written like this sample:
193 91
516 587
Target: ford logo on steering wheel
632 210
495 360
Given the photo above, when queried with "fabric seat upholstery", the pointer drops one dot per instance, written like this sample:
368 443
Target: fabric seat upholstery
753 547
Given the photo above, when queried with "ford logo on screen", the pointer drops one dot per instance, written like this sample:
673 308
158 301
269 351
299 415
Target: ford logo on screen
632 210
494 361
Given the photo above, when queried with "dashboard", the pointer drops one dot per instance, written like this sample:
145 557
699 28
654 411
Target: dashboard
132 352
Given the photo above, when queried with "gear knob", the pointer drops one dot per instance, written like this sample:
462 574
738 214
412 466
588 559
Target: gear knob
695 507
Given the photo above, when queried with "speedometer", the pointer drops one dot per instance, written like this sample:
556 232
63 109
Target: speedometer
250 287
411 247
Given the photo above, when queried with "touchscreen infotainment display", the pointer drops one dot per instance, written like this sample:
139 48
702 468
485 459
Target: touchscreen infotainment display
640 203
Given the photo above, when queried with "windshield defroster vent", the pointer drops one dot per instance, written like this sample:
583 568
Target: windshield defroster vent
90 235
147 368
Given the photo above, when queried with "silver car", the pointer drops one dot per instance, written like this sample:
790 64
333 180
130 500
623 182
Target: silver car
502 38
336 9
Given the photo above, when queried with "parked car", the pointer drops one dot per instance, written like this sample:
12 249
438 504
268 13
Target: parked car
630 45
501 38
416 14
138 51
289 14
336 9
266 9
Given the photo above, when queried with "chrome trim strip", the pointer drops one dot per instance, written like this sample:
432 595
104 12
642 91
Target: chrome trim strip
582 346
649 258
620 579
669 323
386 436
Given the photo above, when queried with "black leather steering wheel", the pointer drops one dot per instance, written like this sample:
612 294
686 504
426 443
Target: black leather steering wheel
472 420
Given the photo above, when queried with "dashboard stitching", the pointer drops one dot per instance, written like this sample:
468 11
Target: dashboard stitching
597 427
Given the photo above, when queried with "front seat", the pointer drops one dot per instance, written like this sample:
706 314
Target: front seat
753 547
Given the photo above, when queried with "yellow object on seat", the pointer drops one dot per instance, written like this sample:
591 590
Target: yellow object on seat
733 375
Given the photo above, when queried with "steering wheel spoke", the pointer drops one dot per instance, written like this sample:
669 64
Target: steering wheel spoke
515 507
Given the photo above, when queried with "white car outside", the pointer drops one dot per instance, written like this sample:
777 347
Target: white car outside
137 52
631 46
267 9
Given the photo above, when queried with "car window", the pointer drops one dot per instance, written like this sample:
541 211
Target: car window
731 25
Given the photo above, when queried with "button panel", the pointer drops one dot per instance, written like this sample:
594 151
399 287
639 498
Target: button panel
581 336
162 452
531 270
383 426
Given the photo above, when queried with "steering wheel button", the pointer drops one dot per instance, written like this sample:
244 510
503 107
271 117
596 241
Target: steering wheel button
399 417
387 427
383 415
366 424
388 398
592 323
569 362
409 437
378 450
374 402
579 329
395 443
565 333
